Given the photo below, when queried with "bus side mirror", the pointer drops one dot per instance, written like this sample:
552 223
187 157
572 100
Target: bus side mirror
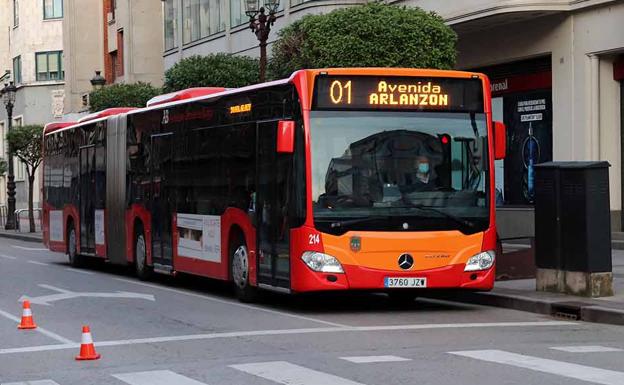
286 136
500 140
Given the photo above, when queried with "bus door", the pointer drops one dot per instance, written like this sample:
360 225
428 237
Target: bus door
162 201
87 199
272 231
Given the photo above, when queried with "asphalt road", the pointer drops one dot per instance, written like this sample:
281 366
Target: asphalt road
192 331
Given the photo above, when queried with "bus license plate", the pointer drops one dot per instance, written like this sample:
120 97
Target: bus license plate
405 282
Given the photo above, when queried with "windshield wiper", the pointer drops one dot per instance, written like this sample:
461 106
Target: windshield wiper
456 219
359 220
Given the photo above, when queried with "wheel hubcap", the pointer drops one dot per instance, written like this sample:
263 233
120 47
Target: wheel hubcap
140 252
240 267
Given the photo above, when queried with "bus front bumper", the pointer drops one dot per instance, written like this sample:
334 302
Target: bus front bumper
363 278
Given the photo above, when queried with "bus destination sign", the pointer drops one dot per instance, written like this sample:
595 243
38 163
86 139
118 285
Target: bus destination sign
390 93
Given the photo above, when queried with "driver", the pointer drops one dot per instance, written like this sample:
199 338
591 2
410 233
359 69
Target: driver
421 179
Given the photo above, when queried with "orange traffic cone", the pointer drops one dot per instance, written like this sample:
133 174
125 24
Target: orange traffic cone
27 321
87 350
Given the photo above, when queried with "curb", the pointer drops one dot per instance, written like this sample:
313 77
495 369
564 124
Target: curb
21 237
575 310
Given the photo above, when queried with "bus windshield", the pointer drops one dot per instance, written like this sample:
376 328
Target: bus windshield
399 171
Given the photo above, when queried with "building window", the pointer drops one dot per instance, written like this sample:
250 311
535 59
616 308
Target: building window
237 11
15 13
18 165
113 57
3 152
49 66
52 9
201 18
171 23
120 53
17 70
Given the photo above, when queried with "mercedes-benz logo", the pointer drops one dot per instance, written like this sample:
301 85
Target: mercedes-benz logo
406 261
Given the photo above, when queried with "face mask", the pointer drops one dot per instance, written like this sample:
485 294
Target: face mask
423 168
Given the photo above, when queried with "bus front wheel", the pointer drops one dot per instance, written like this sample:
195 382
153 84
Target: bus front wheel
239 267
72 250
143 271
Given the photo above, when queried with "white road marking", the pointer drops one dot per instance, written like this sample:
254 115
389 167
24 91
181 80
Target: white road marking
30 248
372 359
39 329
38 382
284 372
275 332
78 271
560 368
66 294
7 256
156 377
586 349
232 303
39 263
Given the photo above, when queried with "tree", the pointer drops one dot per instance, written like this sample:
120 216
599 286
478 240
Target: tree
25 144
370 35
122 95
214 70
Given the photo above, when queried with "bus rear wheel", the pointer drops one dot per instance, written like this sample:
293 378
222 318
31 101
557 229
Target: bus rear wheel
239 267
72 249
143 271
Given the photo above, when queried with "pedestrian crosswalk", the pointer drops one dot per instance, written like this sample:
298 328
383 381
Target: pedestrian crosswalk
156 377
560 368
284 372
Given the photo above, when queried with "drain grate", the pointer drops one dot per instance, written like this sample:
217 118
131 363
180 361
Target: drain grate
567 310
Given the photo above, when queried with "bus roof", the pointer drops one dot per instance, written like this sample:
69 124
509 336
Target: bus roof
204 93
196 94
54 126
188 93
106 112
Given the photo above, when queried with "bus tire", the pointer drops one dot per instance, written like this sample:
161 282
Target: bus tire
239 268
75 260
143 271
402 297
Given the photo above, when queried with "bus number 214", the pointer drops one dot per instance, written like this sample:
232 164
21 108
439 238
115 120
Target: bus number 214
315 239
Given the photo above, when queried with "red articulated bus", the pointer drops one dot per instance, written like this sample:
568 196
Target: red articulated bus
374 179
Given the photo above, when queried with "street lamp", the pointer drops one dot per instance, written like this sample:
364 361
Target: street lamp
260 23
98 81
8 98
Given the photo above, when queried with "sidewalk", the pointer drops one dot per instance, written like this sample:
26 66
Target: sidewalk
22 236
521 295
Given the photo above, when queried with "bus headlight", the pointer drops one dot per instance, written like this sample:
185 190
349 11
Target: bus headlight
321 262
481 261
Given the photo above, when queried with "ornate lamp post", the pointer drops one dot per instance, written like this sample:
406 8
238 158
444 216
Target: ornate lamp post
260 23
8 98
98 81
